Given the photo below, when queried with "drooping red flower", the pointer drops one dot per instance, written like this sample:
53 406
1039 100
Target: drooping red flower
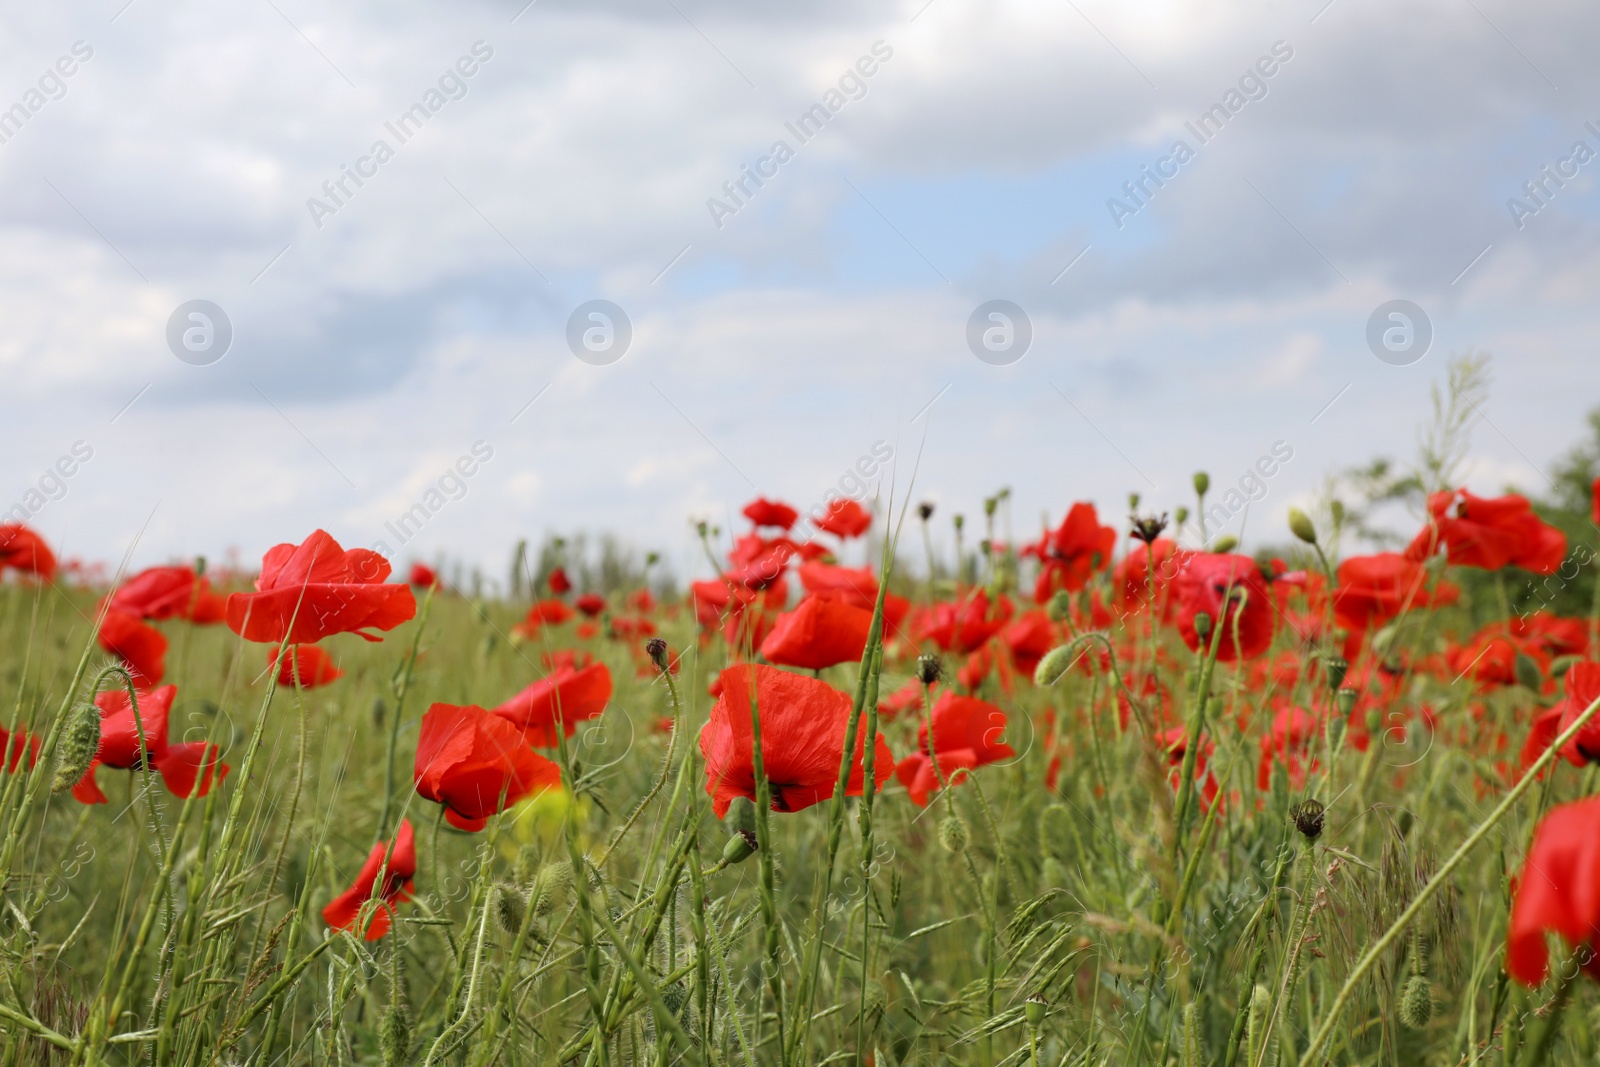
560 584
343 911
182 766
314 589
818 633
1148 573
170 593
764 512
1558 891
422 576
1582 689
1175 743
140 646
591 604
1226 587
21 549
966 735
1374 589
1029 638
845 518
756 562
1070 554
1489 532
803 724
965 625
569 693
476 764
313 666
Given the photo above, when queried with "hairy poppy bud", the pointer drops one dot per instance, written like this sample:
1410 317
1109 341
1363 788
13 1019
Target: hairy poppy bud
1052 665
930 668
1416 1002
551 887
1224 544
1060 606
394 1037
1256 1031
1035 1008
925 510
953 834
740 847
1191 1036
657 649
1308 817
1181 515
1202 623
1051 873
80 740
741 815
1301 526
510 907
1202 483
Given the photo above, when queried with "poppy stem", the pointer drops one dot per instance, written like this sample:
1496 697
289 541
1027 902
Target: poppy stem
401 688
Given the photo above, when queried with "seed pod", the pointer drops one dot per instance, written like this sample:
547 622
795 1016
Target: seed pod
740 847
657 648
1337 667
1202 482
1308 817
953 834
1035 1008
1416 1002
1345 701
80 740
930 668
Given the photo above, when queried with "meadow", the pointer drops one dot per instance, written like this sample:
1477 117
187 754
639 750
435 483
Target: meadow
1324 803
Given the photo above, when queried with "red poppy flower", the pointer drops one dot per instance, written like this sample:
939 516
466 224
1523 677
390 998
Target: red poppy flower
1489 532
314 666
570 693
818 633
764 512
1594 491
560 584
324 590
140 646
845 518
1489 657
23 550
905 700
591 604
853 585
1149 571
1374 589
170 593
1288 742
180 765
1029 638
1582 689
476 764
1226 587
964 626
756 562
1071 553
13 743
543 613
1556 635
803 724
966 736
342 912
1558 891
422 576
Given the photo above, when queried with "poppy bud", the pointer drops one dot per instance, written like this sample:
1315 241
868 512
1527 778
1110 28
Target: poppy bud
1052 665
1416 1002
80 740
740 816
551 887
1051 873
199 566
1345 700
953 834
930 668
1133 501
989 504
1034 1008
1260 1008
925 510
1225 544
1308 816
1192 1056
1338 667
657 649
1202 623
394 1032
1202 482
652 558
1181 515
959 520
740 847
510 907
1301 526
1529 676
1336 509
1060 606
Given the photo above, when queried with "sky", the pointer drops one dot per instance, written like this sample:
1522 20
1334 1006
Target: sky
515 162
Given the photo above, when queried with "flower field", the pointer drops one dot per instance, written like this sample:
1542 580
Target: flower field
1116 793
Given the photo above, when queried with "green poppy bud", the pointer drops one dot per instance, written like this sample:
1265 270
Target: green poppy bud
1202 483
1224 544
740 816
953 834
1416 1002
1052 665
1301 526
80 740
